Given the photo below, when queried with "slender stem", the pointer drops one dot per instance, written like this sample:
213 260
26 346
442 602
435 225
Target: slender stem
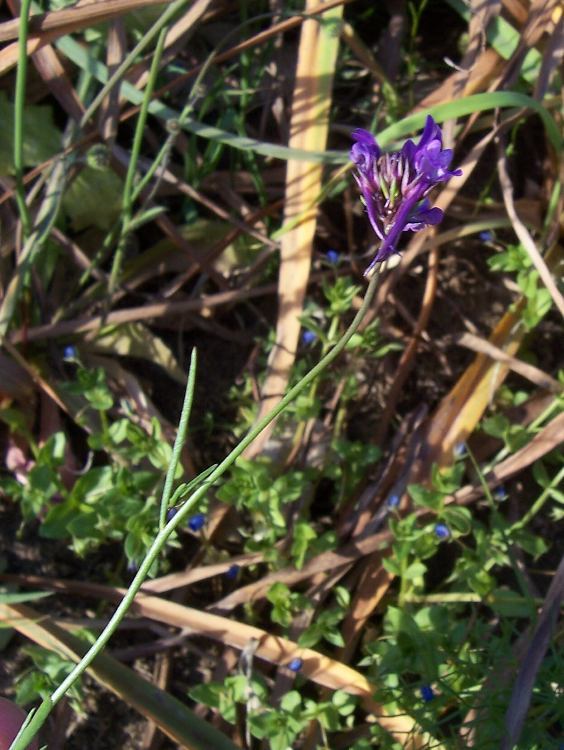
519 577
159 24
537 505
19 104
132 167
180 438
160 540
141 122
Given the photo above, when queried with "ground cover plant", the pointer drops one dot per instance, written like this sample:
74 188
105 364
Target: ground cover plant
281 388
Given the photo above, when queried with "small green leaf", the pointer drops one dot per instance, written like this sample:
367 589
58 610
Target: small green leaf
94 198
291 701
42 139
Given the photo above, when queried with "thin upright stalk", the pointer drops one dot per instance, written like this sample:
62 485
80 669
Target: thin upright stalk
37 719
127 208
19 104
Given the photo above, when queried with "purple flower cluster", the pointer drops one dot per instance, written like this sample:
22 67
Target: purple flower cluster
395 186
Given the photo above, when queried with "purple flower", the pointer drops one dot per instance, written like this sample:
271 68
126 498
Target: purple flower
395 186
332 257
442 531
196 522
171 512
232 571
427 693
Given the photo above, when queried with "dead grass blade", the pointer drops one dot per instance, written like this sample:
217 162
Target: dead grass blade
171 716
522 232
176 36
308 130
53 73
320 669
327 561
68 20
532 373
531 660
461 410
200 573
549 438
108 115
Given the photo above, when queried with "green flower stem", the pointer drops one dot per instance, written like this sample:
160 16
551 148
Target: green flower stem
519 577
537 505
21 76
455 597
164 20
127 208
35 721
180 438
141 122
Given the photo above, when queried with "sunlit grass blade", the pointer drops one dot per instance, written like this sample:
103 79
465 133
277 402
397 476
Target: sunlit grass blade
441 112
317 54
317 667
171 716
461 410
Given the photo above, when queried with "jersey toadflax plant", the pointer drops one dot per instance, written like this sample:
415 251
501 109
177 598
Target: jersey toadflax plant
395 186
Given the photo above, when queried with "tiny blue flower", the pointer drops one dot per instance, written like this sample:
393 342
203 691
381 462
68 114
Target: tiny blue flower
459 449
442 531
427 693
308 337
171 512
132 566
332 257
500 493
296 664
486 236
393 501
232 571
70 353
195 523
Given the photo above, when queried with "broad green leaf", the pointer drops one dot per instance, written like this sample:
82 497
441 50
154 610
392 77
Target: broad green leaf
94 199
136 340
42 139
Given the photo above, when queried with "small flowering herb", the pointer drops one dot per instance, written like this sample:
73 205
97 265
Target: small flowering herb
459 449
486 236
308 337
395 186
70 353
171 512
442 531
500 493
232 571
196 522
296 664
427 693
332 257
393 501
